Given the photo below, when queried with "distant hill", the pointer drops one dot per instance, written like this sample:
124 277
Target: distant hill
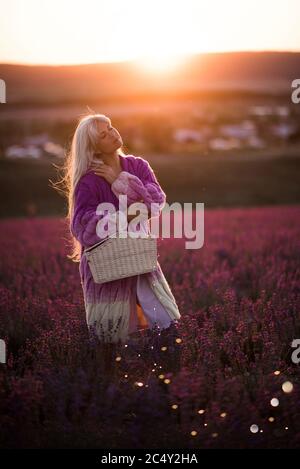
267 72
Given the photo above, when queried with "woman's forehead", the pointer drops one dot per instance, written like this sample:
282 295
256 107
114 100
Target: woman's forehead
103 124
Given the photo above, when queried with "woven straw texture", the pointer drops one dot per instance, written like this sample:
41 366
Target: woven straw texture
116 258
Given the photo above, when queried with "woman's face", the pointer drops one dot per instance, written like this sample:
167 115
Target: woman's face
110 139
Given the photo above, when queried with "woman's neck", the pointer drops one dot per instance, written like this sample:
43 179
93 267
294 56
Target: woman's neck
111 159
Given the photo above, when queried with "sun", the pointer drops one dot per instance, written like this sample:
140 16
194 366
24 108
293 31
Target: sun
160 63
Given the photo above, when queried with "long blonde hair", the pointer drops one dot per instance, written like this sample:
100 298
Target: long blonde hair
85 143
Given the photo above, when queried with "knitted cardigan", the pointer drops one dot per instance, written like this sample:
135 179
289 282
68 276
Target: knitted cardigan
111 308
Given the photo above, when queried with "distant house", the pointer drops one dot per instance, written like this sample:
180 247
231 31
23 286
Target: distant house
282 111
41 148
241 131
261 110
190 135
224 143
54 149
17 151
283 130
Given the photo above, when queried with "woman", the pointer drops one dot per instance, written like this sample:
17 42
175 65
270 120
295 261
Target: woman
116 309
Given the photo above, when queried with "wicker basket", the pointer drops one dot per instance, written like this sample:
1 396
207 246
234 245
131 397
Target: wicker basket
116 258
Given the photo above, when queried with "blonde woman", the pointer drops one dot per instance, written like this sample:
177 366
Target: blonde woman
99 171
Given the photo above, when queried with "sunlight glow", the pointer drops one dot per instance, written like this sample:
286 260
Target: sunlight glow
155 33
160 63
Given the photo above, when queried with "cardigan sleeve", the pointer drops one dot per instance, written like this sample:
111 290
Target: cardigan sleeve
85 218
144 188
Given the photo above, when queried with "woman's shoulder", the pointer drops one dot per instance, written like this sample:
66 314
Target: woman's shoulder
135 159
88 178
136 163
88 181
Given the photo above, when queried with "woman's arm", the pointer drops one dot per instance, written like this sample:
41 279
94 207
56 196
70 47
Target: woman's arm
85 219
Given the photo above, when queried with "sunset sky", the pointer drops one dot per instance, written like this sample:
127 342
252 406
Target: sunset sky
158 32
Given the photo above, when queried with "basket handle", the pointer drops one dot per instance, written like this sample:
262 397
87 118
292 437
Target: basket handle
97 244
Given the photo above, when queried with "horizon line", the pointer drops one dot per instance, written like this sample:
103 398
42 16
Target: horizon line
187 55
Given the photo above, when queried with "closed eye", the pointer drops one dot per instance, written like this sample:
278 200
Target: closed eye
105 133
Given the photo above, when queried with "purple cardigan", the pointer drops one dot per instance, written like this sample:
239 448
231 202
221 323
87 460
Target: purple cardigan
118 298
92 189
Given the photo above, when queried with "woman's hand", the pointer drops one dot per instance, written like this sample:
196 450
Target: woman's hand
108 173
105 171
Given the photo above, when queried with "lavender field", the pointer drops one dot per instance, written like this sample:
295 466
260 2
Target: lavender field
223 378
